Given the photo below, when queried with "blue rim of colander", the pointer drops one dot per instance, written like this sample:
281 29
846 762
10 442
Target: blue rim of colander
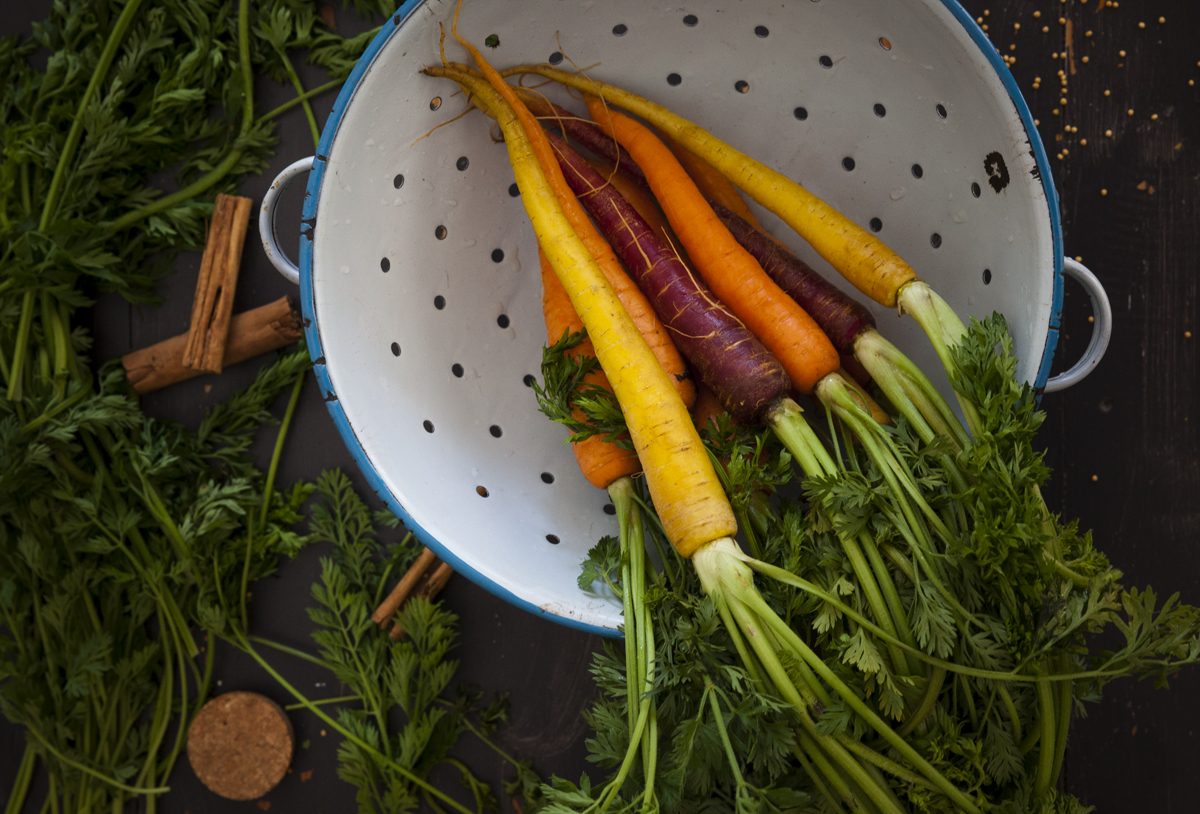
312 330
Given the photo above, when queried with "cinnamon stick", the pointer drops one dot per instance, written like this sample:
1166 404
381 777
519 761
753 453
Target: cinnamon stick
404 588
429 588
251 333
212 308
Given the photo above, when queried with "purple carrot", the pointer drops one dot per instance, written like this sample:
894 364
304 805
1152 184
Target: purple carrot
744 375
841 317
586 133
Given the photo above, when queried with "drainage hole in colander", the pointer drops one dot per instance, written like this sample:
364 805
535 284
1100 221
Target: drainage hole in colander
987 276
935 240
619 29
917 171
513 190
848 164
457 370
880 110
690 19
398 181
741 86
529 380
552 539
481 490
876 224
761 31
976 190
462 163
495 431
435 102
439 302
885 43
395 349
385 265
800 113
497 255
502 320
826 61
555 58
547 477
674 79
440 232
609 508
428 425
941 110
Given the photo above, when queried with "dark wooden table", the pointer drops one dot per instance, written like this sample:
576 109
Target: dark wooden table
1125 148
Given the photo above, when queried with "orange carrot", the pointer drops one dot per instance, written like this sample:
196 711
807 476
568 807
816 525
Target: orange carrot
708 408
732 273
600 461
715 186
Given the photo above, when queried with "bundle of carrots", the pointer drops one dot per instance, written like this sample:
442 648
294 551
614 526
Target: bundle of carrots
738 311
694 511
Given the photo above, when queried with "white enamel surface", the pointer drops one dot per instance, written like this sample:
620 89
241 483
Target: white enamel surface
363 218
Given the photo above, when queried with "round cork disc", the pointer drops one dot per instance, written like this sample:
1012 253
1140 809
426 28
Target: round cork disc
240 745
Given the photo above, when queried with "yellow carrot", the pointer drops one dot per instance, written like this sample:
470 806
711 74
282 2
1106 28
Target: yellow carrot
683 485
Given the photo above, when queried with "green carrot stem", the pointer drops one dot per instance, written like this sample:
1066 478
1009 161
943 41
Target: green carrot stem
288 650
1046 748
66 760
817 778
822 769
294 78
1062 727
787 420
323 702
21 783
908 389
945 330
933 686
886 764
268 488
619 492
384 762
50 203
726 744
304 97
17 370
854 702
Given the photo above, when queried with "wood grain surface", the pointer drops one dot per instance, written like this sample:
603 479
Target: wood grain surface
1125 152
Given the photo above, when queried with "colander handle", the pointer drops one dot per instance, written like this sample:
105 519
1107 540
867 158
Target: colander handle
1101 328
266 219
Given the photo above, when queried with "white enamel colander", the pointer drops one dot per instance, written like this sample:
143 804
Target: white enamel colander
418 268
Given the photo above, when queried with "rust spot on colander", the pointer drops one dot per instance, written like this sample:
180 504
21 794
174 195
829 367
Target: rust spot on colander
997 171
